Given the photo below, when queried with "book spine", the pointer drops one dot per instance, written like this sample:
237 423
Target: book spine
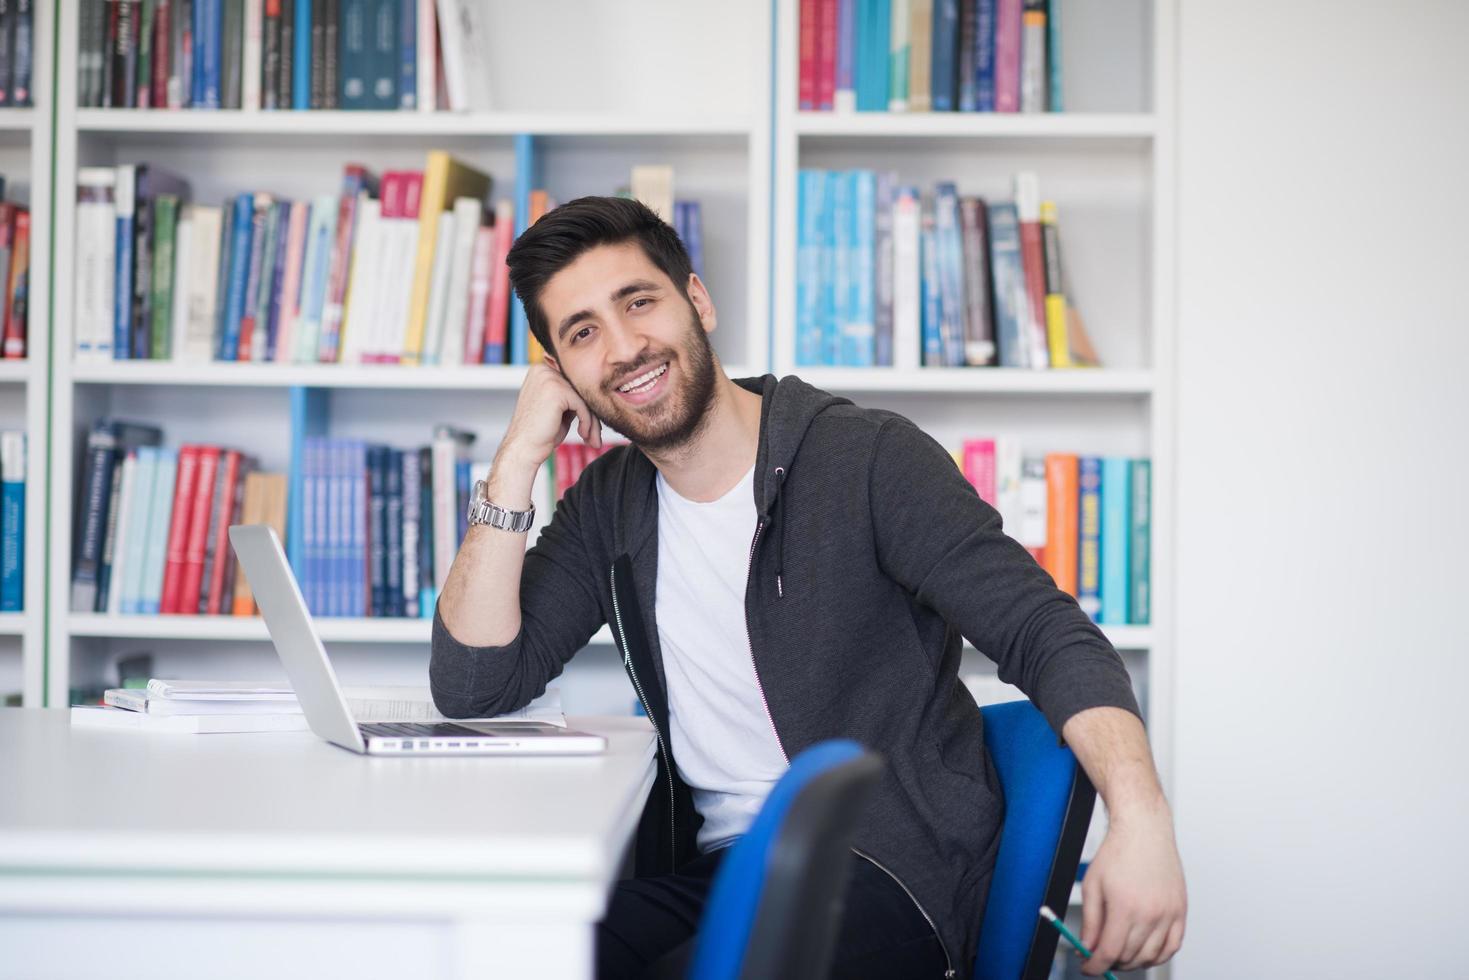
844 96
979 465
92 520
143 90
1055 302
142 278
393 519
808 288
859 341
1062 512
341 257
17 308
497 328
196 540
944 59
236 516
232 55
217 553
1089 539
331 44
302 65
377 534
907 293
965 50
806 83
242 229
252 60
162 51
122 301
408 48
979 322
209 241
1140 547
1007 55
7 48
984 56
155 557
12 521
1008 279
270 56
412 522
109 538
932 328
385 53
1033 56
178 529
427 540
828 16
951 274
1053 56
1116 507
356 59
165 209
843 228
254 252
125 596
180 42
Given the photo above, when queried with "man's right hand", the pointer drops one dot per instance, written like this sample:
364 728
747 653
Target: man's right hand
544 410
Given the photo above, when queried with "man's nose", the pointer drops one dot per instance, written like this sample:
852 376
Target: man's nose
625 343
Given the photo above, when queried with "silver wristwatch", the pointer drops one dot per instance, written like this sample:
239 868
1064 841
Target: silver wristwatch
481 511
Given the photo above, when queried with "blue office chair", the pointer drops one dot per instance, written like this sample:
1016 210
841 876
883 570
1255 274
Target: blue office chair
776 903
1048 807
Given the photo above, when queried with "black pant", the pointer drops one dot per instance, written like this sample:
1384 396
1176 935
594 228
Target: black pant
882 933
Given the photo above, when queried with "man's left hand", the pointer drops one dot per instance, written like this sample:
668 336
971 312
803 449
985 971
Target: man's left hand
1134 902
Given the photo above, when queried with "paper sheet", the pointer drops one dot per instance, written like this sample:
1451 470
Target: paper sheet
408 703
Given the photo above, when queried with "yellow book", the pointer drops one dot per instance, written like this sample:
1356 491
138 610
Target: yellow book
540 203
1056 328
444 179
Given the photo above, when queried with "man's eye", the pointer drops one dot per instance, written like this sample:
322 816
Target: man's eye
581 334
643 299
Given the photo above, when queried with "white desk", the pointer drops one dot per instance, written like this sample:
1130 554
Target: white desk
124 854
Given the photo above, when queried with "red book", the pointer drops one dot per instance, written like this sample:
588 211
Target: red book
497 323
807 46
192 578
162 41
979 468
563 469
17 291
826 54
229 494
178 528
481 284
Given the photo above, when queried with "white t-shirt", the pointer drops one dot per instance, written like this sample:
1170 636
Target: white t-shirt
723 739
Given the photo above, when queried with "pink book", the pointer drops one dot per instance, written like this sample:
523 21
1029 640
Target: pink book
826 54
806 98
481 281
291 285
979 468
1007 55
498 320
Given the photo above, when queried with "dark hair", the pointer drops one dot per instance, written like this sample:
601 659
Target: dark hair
563 234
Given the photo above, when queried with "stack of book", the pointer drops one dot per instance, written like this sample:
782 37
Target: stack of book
1085 519
403 268
282 54
889 277
930 56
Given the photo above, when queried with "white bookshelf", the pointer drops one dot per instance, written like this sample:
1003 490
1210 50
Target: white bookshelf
25 161
591 120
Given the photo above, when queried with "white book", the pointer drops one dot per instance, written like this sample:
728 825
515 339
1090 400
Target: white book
96 231
183 242
1008 499
907 282
653 185
134 699
250 63
126 591
320 234
474 30
363 285
456 314
438 294
203 690
200 284
445 504
1033 502
106 716
428 57
123 508
399 252
453 36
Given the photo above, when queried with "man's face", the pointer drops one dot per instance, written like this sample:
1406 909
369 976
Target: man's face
634 348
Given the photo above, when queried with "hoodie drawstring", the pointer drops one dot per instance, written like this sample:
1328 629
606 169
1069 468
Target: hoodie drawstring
780 536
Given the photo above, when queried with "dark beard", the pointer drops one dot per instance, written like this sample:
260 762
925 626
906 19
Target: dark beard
682 413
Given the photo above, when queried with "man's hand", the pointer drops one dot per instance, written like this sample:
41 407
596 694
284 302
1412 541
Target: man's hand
1133 898
544 410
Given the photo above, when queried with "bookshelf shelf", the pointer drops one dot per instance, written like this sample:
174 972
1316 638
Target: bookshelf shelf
14 623
15 372
1000 381
252 628
1121 128
17 121
321 124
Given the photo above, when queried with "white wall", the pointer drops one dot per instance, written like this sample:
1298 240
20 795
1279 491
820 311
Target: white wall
1321 791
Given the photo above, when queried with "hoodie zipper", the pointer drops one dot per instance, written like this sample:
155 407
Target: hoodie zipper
948 963
759 686
657 733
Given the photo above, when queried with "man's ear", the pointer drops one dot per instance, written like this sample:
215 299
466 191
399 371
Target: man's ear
550 359
703 304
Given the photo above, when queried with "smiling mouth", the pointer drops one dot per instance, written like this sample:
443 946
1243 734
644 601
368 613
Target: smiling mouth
645 381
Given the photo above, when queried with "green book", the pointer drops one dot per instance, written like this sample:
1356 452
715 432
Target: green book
1141 547
165 222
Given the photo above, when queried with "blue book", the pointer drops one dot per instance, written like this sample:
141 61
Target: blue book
408 55
933 346
427 588
125 197
694 236
304 535
874 23
128 578
277 278
393 562
826 257
808 267
12 521
1053 54
944 64
150 587
384 54
208 53
859 336
843 244
882 274
1089 537
242 234
1140 550
950 248
965 73
1007 273
984 56
524 183
356 558
846 55
1116 536
346 572
462 487
377 529
308 412
356 60
301 69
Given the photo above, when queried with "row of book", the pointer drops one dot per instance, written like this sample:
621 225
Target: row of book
930 56
889 276
17 52
1085 519
15 276
283 54
403 268
152 533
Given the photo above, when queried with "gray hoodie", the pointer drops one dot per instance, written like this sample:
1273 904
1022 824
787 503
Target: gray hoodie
872 557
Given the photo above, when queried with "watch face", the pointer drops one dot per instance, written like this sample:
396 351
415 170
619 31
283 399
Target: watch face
481 491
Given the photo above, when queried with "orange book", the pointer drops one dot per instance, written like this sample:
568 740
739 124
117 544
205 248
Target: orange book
540 203
1063 503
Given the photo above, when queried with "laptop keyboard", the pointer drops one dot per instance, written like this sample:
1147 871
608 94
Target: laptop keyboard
435 730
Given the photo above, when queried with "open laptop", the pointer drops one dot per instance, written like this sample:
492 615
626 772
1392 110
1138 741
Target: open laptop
320 696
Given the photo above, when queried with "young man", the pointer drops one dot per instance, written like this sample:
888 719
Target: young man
780 567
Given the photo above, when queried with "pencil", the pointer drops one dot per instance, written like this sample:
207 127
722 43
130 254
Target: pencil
1050 917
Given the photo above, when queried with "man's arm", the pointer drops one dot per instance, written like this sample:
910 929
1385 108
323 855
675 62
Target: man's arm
1133 898
483 661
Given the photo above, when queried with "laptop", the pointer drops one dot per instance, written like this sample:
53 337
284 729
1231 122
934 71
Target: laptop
320 696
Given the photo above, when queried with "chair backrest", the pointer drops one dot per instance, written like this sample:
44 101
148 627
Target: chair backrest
776 903
1048 807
